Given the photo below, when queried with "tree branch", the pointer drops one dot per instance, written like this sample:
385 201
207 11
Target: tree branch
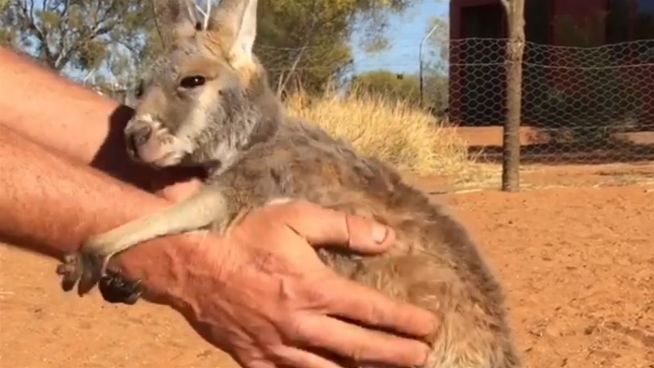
28 15
296 62
157 26
282 85
62 29
98 30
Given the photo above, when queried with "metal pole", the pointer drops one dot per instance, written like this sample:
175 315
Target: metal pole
420 57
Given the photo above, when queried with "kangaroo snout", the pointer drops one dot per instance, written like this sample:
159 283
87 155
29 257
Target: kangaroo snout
138 136
148 141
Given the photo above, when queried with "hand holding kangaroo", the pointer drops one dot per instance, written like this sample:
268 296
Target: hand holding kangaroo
208 103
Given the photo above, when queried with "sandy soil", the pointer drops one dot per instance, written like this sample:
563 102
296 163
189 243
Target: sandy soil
577 265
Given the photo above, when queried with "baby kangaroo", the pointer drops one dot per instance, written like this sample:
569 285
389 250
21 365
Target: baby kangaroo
208 103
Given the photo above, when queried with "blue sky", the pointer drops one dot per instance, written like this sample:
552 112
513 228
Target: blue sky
405 32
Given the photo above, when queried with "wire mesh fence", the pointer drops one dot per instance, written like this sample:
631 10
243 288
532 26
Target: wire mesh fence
579 105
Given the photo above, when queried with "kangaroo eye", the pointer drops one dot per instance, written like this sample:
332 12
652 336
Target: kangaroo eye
192 81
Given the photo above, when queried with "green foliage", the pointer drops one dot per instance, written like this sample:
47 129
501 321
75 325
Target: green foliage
305 43
403 87
78 36
383 83
406 87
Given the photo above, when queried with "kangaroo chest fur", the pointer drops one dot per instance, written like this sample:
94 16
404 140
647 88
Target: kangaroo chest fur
434 264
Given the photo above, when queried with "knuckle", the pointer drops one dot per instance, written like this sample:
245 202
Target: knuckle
286 209
299 206
418 355
357 353
377 312
321 291
320 298
295 329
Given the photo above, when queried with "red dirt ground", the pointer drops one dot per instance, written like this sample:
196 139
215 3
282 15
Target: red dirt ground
577 265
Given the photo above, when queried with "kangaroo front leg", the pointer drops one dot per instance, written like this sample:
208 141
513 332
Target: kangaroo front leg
208 206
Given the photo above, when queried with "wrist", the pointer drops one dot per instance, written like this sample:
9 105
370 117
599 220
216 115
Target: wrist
162 265
176 270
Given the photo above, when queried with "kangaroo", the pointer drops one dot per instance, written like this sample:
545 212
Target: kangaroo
208 103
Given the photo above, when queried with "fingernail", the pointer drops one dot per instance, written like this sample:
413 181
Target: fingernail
436 325
379 233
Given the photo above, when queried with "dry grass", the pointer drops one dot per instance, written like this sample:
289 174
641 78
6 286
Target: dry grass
409 139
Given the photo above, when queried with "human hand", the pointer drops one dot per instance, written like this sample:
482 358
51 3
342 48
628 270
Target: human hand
176 184
262 294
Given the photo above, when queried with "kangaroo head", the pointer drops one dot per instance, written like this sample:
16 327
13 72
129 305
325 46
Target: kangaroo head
207 97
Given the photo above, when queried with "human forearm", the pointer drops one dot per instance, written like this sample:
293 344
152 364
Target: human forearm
52 206
53 111
71 119
259 293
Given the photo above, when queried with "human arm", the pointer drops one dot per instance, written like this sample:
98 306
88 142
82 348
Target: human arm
75 202
75 121
261 302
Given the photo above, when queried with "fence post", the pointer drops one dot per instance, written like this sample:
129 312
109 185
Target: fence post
514 54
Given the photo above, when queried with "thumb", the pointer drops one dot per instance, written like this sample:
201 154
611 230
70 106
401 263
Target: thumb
326 227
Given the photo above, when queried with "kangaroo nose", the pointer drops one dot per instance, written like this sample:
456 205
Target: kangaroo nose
140 135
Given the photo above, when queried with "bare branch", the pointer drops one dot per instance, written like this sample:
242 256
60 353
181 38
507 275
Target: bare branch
192 12
156 21
296 62
280 80
28 14
62 27
282 85
31 10
206 14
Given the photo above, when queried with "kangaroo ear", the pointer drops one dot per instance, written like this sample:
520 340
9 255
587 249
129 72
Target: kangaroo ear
234 23
175 19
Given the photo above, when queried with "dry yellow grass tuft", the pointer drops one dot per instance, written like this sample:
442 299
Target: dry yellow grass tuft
407 138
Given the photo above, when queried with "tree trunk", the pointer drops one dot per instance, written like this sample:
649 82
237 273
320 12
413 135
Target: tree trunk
515 49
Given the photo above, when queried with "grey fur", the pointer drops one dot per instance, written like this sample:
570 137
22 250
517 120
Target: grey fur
255 153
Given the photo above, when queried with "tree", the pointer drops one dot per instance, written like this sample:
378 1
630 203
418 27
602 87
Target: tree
403 87
435 65
515 50
301 42
388 84
75 37
305 43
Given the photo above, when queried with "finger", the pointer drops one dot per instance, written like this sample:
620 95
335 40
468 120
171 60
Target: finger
259 363
293 357
371 307
180 190
360 345
326 227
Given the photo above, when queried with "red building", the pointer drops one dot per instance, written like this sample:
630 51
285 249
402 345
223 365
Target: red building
476 93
